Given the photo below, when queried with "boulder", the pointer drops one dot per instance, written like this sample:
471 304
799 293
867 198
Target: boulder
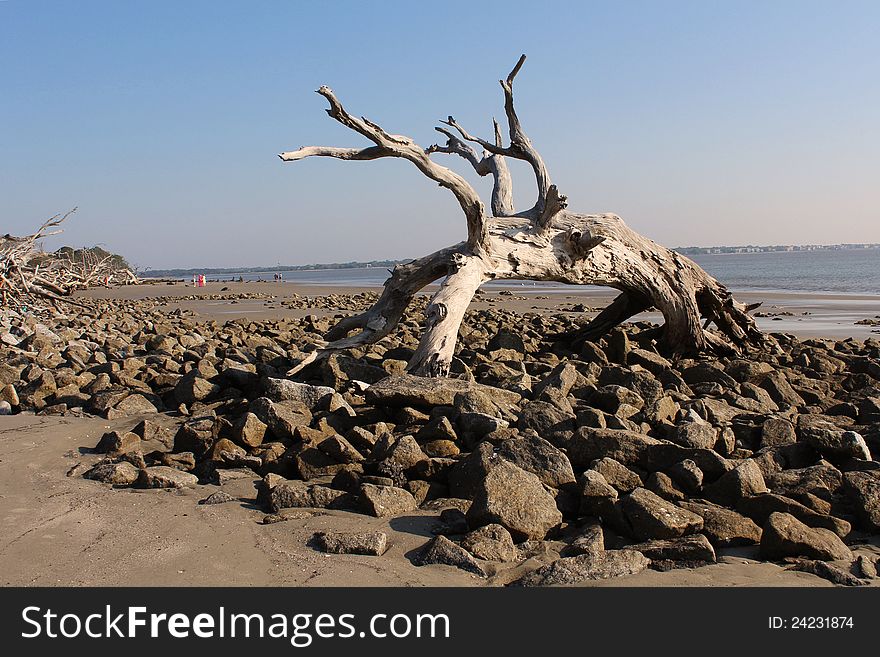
650 516
539 457
723 527
786 536
692 550
587 567
515 499
384 501
863 491
422 392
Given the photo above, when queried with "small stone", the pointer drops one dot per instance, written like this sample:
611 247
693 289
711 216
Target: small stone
161 476
117 442
366 543
491 543
118 474
220 497
440 550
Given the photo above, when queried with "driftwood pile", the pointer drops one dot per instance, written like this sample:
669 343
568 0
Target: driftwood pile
30 277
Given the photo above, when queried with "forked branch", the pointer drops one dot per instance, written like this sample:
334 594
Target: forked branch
388 145
520 145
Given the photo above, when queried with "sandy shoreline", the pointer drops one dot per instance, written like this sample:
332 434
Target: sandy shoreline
805 315
65 530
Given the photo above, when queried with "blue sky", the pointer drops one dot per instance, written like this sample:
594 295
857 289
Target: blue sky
698 122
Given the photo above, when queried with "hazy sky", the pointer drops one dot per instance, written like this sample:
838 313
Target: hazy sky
699 123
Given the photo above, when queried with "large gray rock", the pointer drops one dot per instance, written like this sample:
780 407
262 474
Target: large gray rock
409 390
293 494
650 516
538 456
786 536
384 501
639 450
279 390
587 567
515 499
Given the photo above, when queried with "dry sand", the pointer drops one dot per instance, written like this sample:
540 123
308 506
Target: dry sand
64 530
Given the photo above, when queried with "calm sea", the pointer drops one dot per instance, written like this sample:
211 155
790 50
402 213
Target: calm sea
851 271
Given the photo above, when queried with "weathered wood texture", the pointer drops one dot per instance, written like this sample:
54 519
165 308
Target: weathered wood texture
545 242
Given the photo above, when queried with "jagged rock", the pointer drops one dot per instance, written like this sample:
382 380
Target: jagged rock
821 480
743 481
586 567
610 398
831 440
491 543
650 516
515 499
687 475
539 457
786 536
863 490
693 550
620 477
759 508
296 494
117 442
440 550
828 571
590 540
597 495
366 543
339 449
723 527
249 430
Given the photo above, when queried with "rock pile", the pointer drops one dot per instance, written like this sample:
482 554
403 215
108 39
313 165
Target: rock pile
624 458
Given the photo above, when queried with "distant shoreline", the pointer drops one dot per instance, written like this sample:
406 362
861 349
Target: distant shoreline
385 264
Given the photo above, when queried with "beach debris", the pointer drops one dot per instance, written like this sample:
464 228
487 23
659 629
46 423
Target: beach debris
546 242
33 280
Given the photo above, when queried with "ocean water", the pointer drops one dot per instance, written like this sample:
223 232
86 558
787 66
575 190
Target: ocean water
849 271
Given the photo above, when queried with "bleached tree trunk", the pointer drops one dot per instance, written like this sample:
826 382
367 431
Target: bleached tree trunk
545 242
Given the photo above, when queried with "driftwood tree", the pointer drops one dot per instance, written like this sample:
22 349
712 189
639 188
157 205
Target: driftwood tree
546 242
